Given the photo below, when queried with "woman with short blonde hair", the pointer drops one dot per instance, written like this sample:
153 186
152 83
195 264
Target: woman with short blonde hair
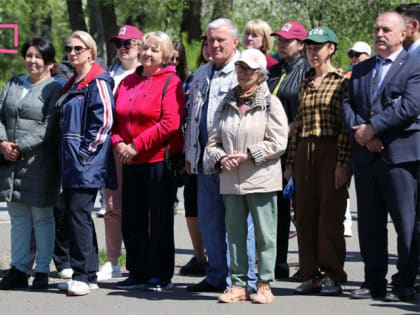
257 34
88 40
162 40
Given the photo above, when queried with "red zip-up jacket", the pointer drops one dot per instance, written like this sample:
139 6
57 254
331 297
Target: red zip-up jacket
145 119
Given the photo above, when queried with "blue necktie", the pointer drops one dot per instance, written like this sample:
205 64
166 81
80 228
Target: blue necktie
380 63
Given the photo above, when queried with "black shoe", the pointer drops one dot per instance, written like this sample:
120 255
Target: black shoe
329 287
204 286
129 284
366 293
296 275
401 295
15 279
282 271
157 285
308 287
40 281
194 267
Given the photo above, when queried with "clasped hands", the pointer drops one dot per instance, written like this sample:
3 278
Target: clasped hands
10 150
126 152
365 135
232 161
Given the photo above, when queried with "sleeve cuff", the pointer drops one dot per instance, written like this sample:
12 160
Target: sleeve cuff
256 154
84 153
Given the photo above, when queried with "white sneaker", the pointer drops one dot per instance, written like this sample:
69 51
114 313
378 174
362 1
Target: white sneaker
64 286
348 233
101 213
78 288
66 273
108 271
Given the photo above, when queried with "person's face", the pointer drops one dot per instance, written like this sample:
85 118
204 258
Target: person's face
151 57
319 54
175 58
127 50
35 65
388 35
412 29
288 48
77 52
357 57
246 76
221 45
253 41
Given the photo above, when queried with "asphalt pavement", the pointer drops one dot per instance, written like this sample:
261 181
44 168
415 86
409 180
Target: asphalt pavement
108 300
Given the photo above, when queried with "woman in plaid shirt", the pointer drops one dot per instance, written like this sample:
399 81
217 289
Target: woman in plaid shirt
319 158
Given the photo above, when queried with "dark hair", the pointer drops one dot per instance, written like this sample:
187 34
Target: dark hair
182 67
44 46
200 59
411 10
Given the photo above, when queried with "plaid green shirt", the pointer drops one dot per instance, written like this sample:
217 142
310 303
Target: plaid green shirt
319 114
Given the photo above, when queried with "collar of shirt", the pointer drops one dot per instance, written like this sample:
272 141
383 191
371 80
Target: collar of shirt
414 46
391 57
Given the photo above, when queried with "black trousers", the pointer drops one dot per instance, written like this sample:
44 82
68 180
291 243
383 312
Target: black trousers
83 246
61 247
283 228
383 188
148 221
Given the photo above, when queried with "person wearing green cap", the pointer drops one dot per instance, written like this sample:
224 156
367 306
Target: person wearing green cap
318 160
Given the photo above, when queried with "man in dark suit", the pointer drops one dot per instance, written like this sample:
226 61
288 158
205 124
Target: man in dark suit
381 111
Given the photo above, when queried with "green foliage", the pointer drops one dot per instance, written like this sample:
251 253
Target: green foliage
351 20
121 260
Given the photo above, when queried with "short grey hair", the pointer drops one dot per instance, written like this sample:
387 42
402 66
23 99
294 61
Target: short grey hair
218 23
263 75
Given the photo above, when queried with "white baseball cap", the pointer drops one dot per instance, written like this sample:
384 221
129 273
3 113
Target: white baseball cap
254 58
360 47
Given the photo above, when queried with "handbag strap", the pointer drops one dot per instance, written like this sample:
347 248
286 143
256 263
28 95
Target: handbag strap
165 86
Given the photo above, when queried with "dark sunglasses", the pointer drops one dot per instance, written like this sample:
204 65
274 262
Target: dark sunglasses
244 69
127 44
77 49
354 54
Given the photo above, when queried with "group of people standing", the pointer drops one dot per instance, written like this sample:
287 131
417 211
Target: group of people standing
248 124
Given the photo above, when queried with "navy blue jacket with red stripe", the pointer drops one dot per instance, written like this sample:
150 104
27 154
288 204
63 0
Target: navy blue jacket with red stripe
85 129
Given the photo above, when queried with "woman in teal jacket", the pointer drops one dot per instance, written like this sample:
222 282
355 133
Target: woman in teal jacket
29 164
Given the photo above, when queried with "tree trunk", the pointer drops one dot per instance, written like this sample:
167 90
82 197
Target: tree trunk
110 26
76 15
191 20
96 27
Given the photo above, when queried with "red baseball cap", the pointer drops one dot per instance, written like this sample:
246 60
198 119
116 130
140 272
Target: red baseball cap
127 32
292 30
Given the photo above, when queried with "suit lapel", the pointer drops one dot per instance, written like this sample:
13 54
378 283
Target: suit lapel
368 85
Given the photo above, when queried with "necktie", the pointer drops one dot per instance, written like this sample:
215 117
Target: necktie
380 63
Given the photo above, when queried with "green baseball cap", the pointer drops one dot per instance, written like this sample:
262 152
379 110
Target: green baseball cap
321 34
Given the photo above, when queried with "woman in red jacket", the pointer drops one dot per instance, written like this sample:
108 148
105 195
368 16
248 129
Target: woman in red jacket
148 118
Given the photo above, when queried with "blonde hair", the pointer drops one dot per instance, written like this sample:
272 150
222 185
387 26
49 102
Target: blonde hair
163 41
261 28
88 40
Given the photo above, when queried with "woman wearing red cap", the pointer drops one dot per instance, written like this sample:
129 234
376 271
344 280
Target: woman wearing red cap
128 43
284 81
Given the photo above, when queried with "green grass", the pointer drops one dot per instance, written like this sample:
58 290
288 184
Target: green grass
102 258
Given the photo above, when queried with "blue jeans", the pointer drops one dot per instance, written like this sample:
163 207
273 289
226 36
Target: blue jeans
211 220
24 218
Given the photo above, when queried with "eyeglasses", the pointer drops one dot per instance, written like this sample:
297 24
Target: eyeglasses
127 44
243 69
77 49
354 54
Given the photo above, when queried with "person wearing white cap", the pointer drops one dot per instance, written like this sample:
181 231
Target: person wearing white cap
359 52
248 158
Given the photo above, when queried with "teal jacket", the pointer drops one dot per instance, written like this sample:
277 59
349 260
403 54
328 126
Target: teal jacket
32 123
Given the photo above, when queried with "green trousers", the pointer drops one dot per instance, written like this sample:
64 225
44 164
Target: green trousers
263 208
